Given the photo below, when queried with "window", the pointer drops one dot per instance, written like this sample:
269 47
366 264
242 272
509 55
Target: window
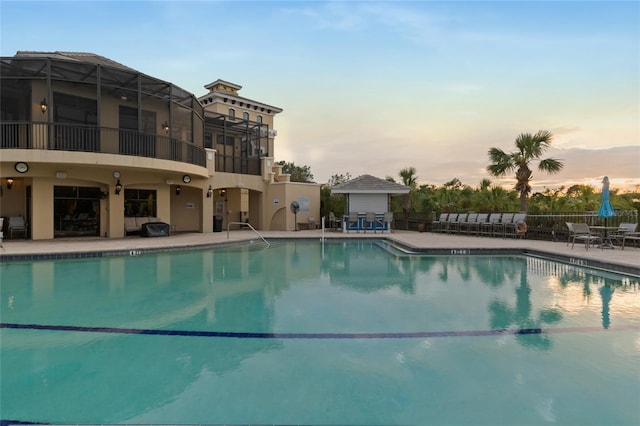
137 139
76 211
225 140
245 116
208 140
140 203
260 119
77 119
232 114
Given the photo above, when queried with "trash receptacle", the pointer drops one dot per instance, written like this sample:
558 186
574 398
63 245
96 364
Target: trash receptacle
217 224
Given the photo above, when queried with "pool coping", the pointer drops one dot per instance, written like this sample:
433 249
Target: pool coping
573 259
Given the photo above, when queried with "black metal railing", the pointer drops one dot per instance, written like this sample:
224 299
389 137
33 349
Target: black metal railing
104 140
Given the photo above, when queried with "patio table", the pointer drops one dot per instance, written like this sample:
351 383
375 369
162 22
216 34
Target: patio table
604 235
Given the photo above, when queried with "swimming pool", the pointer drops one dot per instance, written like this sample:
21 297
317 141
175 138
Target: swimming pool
310 333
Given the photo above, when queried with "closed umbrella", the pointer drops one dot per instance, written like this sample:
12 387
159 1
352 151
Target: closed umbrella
606 210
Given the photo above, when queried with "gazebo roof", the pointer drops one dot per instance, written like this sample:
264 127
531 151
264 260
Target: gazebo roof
367 184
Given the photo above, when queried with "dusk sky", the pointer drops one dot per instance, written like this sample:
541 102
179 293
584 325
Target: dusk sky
374 87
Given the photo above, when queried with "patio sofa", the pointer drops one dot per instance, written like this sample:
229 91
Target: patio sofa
134 224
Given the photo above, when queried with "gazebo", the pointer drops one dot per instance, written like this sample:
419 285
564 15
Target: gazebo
367 203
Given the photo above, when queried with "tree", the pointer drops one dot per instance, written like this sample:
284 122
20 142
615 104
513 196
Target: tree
337 179
333 202
298 173
529 148
409 177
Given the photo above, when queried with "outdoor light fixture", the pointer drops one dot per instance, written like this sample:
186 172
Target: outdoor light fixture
165 127
178 190
43 105
209 192
9 183
223 192
118 187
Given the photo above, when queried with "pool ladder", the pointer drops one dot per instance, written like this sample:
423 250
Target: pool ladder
252 228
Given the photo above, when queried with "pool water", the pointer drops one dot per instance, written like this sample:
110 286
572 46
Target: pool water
309 333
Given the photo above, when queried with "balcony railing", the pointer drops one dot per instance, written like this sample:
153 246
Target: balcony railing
103 140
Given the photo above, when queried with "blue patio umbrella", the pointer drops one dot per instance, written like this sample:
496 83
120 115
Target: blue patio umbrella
606 210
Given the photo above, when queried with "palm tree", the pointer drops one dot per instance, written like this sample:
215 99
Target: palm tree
529 148
409 177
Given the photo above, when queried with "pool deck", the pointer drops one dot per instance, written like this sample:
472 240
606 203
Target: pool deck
627 260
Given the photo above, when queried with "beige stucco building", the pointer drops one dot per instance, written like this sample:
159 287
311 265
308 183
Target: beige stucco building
87 142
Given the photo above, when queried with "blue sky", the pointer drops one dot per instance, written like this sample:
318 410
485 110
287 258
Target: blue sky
373 87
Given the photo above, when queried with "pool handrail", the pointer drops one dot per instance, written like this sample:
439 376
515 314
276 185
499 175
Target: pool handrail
249 225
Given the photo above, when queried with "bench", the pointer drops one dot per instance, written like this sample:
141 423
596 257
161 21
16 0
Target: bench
134 224
310 224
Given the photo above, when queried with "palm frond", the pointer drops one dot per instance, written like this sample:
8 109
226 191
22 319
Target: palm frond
502 162
550 165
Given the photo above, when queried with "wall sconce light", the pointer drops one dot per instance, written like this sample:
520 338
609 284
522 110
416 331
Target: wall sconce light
43 105
9 183
103 195
165 127
223 193
118 187
209 192
178 190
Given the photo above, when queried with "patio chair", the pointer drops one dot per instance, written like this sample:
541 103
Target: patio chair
334 222
631 236
370 218
17 224
438 225
387 220
353 219
623 229
581 232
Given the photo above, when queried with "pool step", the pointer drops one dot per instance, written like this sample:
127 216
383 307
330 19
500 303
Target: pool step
394 249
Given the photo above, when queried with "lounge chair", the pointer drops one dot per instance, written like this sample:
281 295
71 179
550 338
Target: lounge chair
500 228
438 225
454 227
474 227
581 232
517 227
453 217
17 224
467 224
486 228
